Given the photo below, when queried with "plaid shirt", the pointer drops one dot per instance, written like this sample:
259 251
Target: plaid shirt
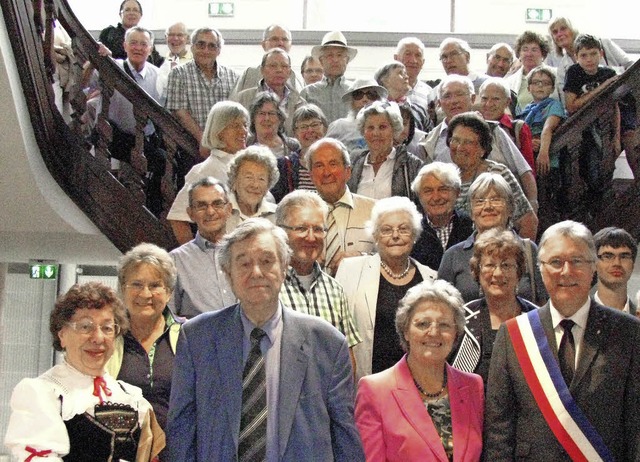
189 89
325 299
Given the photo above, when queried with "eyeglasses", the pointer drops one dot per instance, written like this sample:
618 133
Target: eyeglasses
453 54
156 288
317 231
610 257
492 201
403 230
438 326
217 205
454 94
575 262
88 327
359 94
455 141
540 83
312 126
504 266
201 45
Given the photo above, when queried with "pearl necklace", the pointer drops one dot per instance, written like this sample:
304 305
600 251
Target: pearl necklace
394 275
432 395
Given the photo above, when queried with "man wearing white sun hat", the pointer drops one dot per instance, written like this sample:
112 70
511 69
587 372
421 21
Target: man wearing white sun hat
334 55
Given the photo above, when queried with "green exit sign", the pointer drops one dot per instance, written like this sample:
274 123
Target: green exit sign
538 15
221 9
43 269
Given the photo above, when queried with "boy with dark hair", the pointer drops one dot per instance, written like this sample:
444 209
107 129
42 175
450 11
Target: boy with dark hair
616 250
586 79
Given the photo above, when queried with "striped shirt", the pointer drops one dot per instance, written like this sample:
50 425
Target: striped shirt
325 299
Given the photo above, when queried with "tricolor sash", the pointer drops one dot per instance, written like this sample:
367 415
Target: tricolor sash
542 373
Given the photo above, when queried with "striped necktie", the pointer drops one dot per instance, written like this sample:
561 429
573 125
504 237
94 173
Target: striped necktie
333 245
252 442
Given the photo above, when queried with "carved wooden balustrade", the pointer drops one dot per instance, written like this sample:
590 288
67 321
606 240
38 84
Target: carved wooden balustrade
114 201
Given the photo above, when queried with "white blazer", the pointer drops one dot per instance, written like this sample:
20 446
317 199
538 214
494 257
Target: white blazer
360 278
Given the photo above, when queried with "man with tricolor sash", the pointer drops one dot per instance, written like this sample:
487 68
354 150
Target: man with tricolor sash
564 382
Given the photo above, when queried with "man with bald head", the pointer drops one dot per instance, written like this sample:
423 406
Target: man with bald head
274 36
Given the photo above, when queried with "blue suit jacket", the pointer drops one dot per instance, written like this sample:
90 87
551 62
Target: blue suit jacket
315 419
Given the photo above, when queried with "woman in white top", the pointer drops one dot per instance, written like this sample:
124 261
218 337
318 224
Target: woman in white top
76 410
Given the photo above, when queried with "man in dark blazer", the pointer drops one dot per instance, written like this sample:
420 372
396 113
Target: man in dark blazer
437 186
617 251
309 386
605 383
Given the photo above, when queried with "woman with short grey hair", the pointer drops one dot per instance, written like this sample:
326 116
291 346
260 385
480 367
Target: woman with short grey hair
384 170
225 133
421 389
144 356
267 125
492 206
374 284
252 172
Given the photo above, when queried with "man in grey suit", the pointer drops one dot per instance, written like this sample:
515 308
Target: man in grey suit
305 394
587 405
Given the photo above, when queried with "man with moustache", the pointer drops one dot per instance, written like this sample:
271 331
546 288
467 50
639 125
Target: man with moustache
258 380
563 381
201 285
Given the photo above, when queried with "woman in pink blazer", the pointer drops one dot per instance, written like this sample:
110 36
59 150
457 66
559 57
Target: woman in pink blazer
422 409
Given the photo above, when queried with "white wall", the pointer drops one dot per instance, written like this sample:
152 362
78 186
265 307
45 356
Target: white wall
615 19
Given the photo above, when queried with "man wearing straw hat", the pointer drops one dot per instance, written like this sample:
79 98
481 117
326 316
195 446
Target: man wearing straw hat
334 55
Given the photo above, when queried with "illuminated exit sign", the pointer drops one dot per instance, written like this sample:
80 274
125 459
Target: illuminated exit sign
538 15
43 269
221 9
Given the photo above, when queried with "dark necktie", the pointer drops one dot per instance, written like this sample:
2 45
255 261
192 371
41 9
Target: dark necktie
252 442
567 351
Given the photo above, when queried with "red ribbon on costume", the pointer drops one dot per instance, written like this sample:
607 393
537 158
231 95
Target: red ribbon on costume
99 386
36 453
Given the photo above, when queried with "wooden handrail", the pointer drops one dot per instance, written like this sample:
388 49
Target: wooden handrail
114 201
